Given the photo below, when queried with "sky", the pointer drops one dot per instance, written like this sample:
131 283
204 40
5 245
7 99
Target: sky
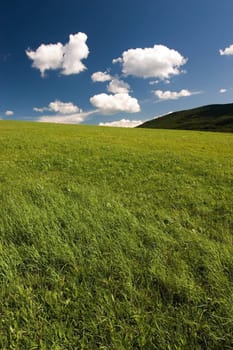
113 62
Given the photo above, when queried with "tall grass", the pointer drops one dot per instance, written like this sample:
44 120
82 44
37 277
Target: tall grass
115 239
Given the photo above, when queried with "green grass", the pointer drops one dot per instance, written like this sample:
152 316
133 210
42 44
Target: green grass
115 239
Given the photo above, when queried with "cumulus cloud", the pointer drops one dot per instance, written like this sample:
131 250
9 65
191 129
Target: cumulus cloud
117 86
222 91
74 52
9 113
110 104
173 95
227 51
63 107
68 58
155 62
123 123
47 57
101 77
59 107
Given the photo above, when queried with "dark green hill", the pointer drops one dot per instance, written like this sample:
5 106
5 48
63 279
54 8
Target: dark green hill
207 118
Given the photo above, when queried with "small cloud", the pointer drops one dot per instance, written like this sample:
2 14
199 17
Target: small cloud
117 86
59 107
117 60
63 107
166 81
123 123
9 113
228 51
158 61
64 113
173 95
41 110
68 58
110 104
101 77
222 91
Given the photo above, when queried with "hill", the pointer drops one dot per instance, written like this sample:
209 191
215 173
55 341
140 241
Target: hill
115 239
206 118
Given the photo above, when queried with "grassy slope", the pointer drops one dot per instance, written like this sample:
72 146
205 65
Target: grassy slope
115 239
206 118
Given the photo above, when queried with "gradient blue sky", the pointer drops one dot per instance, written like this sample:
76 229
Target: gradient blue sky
196 30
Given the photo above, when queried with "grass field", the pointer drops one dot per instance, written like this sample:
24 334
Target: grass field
115 239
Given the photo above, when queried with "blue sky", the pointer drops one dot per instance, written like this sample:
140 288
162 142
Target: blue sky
108 61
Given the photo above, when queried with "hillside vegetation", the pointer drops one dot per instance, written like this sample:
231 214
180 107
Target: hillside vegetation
206 118
115 239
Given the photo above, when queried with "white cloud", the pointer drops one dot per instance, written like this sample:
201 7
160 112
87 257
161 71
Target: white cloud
155 62
63 107
75 118
173 95
40 110
110 104
68 58
117 60
101 77
222 91
166 81
123 123
47 57
117 86
59 107
227 51
74 52
9 113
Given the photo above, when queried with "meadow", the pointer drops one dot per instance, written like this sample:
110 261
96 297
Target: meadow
115 239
